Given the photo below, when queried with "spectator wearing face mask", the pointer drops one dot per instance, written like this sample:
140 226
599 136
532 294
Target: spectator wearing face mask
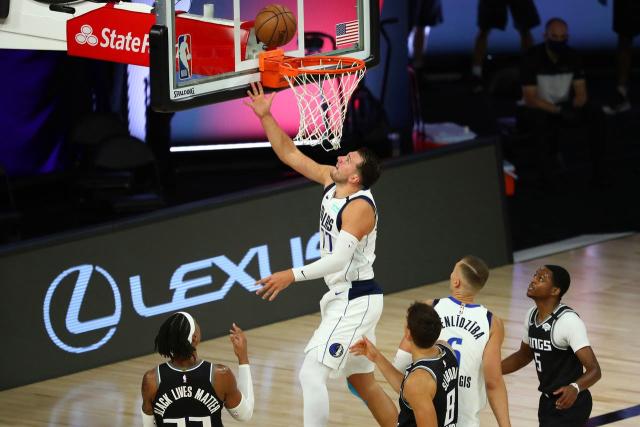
554 95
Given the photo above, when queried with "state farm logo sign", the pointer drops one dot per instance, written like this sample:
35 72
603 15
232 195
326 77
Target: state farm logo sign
111 34
86 36
112 40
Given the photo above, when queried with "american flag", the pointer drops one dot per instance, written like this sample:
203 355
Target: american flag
347 33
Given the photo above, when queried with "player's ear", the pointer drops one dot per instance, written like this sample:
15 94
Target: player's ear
456 281
407 334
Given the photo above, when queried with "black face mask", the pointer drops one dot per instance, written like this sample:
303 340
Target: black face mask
557 47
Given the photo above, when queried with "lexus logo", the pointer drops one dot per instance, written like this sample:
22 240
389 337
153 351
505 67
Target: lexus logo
72 290
86 36
72 322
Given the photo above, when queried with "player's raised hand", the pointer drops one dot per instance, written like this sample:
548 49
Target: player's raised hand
364 347
567 396
239 343
274 284
258 101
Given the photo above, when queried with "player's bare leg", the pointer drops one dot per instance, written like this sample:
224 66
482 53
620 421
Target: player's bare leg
378 402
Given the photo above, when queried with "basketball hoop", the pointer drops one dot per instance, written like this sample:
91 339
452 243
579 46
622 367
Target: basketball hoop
322 85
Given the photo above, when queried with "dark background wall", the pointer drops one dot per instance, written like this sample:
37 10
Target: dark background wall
28 114
91 299
590 30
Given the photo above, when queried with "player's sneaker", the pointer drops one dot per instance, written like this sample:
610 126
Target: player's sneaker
619 104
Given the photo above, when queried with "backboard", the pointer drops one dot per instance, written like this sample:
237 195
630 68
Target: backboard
206 51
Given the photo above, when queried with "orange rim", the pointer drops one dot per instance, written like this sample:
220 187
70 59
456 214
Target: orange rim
293 67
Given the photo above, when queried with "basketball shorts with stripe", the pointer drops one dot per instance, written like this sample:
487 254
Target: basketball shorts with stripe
345 321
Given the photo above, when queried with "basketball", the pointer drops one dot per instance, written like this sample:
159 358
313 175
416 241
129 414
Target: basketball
275 25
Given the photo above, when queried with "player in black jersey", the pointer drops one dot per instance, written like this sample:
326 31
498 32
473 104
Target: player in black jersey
187 391
556 338
429 386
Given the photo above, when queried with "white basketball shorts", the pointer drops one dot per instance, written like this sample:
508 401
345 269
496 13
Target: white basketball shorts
345 321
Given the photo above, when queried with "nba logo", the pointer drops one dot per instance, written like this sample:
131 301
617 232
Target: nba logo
184 56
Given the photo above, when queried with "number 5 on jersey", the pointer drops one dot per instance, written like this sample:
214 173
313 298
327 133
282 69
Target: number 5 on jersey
536 356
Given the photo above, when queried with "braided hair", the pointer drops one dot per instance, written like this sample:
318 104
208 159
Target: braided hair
172 340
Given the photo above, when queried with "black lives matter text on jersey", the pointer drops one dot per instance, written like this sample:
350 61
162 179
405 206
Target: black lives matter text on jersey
184 391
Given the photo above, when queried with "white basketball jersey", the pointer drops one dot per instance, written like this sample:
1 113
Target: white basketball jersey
360 267
466 328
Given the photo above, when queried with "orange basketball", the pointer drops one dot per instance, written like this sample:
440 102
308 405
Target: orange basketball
275 25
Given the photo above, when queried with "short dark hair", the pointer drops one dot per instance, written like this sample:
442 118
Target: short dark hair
474 271
369 168
172 339
553 21
560 278
424 324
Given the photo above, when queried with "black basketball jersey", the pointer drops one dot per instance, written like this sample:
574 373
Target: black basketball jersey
444 369
556 367
187 398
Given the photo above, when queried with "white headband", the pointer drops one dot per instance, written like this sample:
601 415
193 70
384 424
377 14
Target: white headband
192 325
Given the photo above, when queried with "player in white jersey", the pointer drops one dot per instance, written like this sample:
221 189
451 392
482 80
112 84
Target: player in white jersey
353 305
476 336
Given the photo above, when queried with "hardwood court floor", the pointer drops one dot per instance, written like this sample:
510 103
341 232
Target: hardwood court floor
603 291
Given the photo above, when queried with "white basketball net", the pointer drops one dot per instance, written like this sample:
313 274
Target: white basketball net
323 100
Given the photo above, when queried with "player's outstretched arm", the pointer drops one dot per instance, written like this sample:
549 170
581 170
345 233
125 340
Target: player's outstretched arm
283 146
517 360
403 356
239 343
149 389
343 250
419 390
364 347
237 395
358 220
494 382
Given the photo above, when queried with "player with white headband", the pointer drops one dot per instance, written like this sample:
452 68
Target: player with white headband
187 388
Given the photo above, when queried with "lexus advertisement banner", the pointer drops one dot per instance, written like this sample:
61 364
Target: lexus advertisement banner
72 303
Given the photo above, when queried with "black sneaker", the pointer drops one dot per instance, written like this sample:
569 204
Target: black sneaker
619 104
